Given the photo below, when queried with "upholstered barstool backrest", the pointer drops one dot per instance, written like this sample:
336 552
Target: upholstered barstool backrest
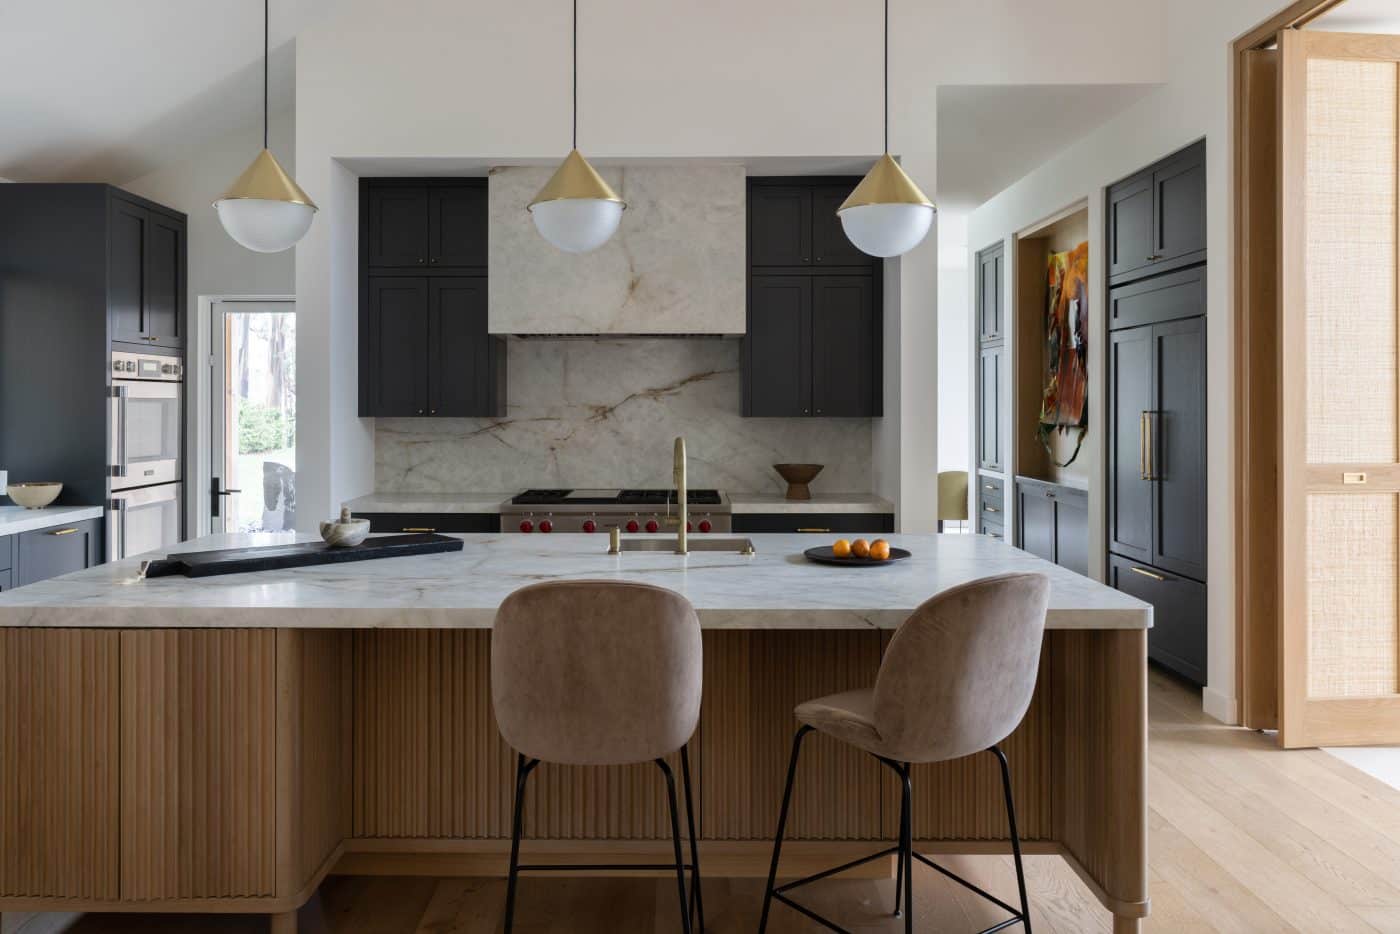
959 673
596 672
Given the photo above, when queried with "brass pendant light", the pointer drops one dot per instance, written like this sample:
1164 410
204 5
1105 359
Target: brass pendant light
576 210
886 215
265 210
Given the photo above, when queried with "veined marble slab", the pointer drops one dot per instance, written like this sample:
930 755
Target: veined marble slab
430 502
16 519
774 589
777 503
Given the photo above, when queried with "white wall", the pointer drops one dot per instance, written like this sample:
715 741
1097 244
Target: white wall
484 81
955 298
1193 103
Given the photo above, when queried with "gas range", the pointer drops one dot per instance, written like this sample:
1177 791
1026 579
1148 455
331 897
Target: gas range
602 510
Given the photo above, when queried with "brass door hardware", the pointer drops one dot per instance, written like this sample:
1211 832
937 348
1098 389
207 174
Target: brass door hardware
1146 573
1353 478
814 530
416 529
69 531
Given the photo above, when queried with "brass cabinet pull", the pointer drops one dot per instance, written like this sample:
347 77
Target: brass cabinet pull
1142 446
1146 573
814 530
416 529
986 508
63 531
992 487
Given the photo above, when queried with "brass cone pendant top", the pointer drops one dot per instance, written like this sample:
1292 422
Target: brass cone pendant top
575 179
266 180
885 183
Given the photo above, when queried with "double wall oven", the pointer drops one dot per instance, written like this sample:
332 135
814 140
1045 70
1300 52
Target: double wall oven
145 511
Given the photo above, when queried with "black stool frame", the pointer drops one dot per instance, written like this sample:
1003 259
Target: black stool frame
904 874
692 905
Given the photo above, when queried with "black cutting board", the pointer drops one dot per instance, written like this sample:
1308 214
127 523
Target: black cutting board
304 554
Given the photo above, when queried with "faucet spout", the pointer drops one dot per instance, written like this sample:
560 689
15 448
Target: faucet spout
682 497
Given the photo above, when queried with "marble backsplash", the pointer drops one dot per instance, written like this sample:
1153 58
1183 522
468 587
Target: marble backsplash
588 413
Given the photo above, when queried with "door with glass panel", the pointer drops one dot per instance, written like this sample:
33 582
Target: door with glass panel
1339 454
254 394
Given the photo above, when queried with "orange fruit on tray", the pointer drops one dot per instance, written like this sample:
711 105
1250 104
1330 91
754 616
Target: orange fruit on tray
841 548
860 548
880 550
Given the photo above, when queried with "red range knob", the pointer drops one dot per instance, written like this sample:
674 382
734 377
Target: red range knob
527 526
546 525
632 526
652 526
689 527
589 525
705 525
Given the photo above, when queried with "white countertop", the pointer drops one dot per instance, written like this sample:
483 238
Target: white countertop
16 519
819 503
774 589
430 502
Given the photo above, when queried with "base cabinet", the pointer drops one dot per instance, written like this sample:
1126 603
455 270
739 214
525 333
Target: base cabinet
1177 639
45 553
446 523
817 523
1052 522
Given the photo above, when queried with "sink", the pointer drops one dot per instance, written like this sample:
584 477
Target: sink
738 546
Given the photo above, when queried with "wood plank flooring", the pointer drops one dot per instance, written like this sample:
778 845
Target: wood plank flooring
1244 838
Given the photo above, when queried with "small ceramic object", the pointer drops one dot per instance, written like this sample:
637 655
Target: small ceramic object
797 477
344 532
34 495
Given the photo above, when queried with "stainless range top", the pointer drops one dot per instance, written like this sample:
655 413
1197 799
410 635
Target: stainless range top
600 510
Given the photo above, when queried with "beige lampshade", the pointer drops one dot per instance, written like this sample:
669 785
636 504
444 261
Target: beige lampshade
952 495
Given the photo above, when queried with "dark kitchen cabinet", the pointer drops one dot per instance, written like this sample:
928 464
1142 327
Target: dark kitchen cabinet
426 349
1052 522
1177 638
45 553
843 331
830 245
777 348
146 273
1157 445
991 293
780 225
989 380
991 504
1172 295
990 303
424 224
1157 217
876 523
446 523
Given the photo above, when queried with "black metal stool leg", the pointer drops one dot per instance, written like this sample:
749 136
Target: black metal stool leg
899 876
1015 838
906 846
522 772
782 825
676 842
696 897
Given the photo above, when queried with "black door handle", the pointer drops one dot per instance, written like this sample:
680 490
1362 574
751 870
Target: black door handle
216 491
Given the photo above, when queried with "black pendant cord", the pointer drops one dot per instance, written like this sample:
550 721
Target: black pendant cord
265 29
887 75
575 134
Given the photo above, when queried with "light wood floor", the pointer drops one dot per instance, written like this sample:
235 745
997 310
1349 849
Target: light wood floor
1244 838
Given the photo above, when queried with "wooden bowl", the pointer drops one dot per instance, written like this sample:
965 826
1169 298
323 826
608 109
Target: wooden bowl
797 477
35 494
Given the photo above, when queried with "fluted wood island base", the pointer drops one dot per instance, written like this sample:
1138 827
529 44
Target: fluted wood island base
188 766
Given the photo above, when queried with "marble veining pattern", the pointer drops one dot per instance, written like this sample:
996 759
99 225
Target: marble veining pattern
675 265
604 413
774 589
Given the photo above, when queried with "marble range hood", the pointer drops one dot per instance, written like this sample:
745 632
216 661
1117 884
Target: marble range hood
675 268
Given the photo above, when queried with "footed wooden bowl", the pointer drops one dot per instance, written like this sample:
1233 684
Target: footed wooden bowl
797 477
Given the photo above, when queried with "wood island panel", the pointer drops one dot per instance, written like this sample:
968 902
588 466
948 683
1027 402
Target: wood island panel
59 820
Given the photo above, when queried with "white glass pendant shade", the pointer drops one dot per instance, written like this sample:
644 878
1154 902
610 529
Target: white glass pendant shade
264 210
886 215
576 210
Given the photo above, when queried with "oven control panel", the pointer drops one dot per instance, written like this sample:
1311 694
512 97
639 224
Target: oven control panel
126 365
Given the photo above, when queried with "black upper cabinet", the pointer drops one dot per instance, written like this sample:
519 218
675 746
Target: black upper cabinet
425 224
466 372
813 346
398 347
457 226
398 226
146 273
991 292
1157 218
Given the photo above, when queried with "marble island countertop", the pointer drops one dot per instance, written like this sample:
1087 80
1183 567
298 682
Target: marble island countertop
742 503
16 519
774 589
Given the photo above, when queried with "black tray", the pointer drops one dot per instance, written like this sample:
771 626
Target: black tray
823 555
275 557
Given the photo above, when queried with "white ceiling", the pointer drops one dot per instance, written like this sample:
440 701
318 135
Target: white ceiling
1381 16
992 135
107 91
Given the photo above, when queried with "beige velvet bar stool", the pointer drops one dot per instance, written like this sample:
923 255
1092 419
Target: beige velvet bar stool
599 673
956 680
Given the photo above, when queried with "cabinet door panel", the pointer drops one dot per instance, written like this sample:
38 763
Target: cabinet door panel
398 226
126 260
779 345
398 346
843 329
1072 536
459 348
1166 297
830 245
1130 239
457 226
1178 450
989 293
46 553
1177 638
1179 192
1035 517
164 280
780 225
989 408
1129 398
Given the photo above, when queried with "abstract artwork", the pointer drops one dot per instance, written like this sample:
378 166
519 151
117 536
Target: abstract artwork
1063 406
